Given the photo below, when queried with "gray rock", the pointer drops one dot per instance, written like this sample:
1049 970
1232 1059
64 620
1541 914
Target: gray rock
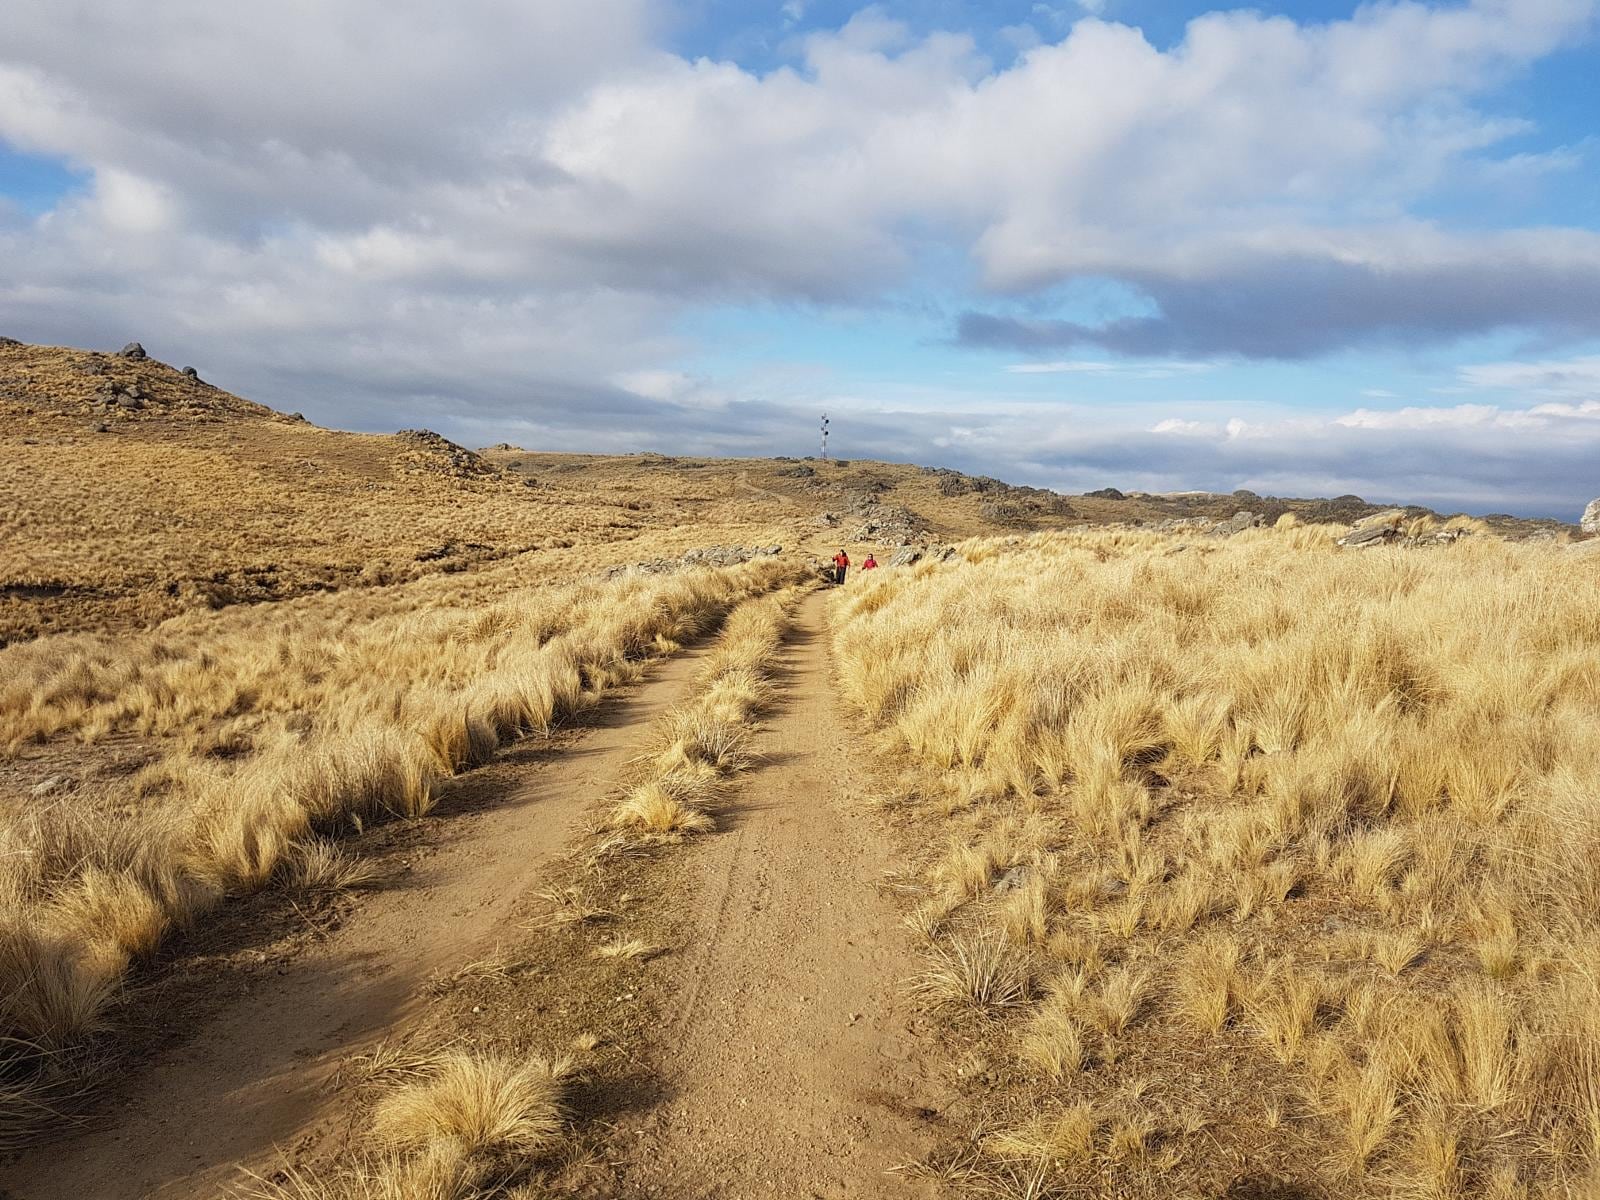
136 391
100 427
5 341
904 556
1011 880
1590 521
134 351
191 373
1370 535
1238 523
129 402
54 784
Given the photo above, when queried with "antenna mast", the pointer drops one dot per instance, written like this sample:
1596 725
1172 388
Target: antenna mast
824 437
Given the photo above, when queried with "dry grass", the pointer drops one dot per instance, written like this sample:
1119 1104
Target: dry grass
347 720
488 1107
451 1127
698 746
1322 818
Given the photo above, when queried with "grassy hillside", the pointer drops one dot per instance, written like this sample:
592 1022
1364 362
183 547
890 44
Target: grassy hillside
135 492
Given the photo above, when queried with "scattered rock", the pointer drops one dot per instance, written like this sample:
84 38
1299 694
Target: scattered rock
100 427
134 351
704 556
54 784
827 518
1590 521
191 373
5 341
800 471
136 391
130 402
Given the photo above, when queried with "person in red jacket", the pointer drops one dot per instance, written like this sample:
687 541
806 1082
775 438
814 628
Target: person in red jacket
871 564
841 561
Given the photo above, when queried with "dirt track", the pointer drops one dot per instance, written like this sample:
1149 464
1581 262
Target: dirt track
787 1054
786 1061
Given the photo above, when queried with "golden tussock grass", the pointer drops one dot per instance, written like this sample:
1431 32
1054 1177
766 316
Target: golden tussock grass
452 1126
698 746
346 718
1324 819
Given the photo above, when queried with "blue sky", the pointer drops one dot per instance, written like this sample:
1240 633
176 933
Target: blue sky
1297 248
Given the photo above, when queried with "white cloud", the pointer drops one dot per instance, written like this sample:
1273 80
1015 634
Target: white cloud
1139 370
373 213
1558 377
1188 428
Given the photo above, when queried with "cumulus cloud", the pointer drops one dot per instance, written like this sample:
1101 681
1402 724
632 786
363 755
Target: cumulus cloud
383 217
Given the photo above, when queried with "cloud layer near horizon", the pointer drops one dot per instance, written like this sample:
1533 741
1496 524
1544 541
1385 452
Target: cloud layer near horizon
481 223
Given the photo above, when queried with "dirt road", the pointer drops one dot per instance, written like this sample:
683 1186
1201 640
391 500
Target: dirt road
787 1058
788 1054
250 1077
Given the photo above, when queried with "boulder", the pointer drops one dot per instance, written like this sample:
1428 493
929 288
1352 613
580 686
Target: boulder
1590 522
1370 535
134 351
1239 522
129 402
191 373
1108 493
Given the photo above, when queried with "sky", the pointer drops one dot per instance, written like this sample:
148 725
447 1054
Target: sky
1305 249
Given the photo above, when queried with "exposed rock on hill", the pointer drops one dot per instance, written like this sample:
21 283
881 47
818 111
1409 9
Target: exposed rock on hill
703 556
1591 518
432 452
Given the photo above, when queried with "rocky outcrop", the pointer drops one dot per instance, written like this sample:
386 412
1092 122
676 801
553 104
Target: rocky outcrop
1590 521
133 351
704 556
427 451
1239 522
906 555
1363 536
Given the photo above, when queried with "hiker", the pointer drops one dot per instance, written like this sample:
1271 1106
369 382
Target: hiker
871 564
841 560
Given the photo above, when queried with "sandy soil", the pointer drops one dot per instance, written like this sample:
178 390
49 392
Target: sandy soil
789 1054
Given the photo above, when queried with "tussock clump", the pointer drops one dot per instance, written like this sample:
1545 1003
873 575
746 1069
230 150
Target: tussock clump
491 1107
700 743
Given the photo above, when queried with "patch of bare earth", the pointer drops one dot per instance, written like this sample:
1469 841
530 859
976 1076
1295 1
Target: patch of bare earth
787 1051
